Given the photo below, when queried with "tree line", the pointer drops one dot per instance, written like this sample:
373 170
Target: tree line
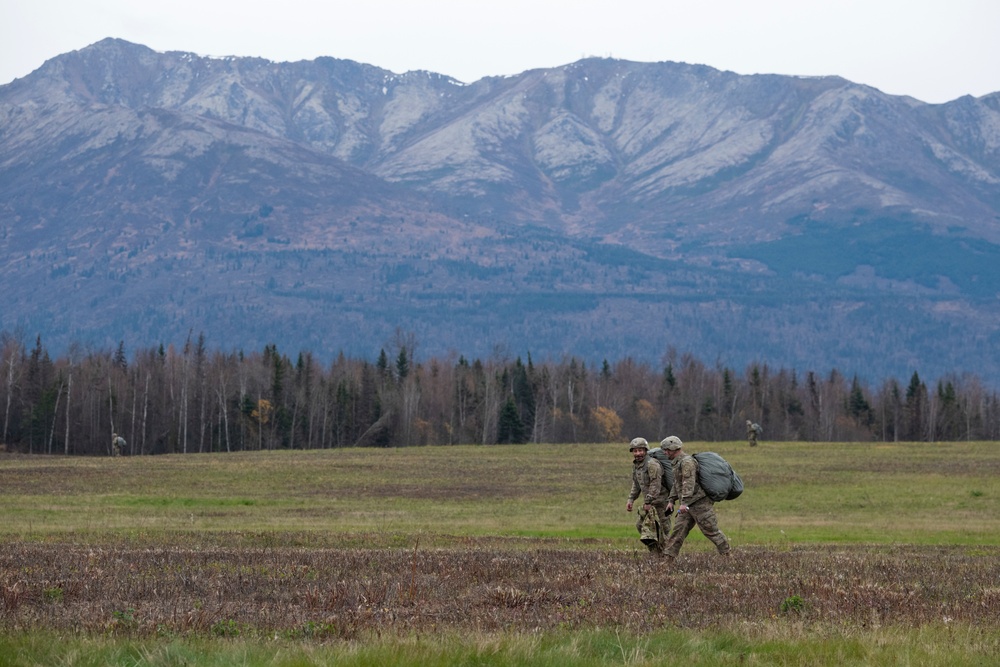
191 399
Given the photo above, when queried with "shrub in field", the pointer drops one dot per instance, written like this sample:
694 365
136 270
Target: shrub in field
792 604
123 621
226 628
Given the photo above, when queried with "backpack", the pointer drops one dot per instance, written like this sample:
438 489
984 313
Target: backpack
666 464
757 429
717 477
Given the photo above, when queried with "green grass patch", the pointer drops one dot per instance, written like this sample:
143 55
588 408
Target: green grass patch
795 492
776 643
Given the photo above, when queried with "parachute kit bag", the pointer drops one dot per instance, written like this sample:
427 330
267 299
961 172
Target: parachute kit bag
717 477
666 464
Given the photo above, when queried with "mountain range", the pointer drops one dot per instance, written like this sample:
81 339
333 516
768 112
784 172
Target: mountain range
604 209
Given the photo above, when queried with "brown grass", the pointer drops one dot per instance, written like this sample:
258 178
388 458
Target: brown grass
327 592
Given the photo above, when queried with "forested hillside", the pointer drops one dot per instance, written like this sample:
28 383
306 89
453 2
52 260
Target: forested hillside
196 399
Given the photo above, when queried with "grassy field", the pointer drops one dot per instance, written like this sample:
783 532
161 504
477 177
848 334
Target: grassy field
846 554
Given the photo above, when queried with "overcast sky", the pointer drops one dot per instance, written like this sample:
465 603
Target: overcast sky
934 50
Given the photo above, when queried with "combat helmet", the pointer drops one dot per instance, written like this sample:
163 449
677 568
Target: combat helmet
638 443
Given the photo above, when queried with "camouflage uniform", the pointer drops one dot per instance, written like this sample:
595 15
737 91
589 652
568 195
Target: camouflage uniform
700 509
117 444
647 481
752 433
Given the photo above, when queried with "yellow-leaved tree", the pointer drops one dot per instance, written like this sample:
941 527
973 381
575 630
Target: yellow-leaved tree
609 424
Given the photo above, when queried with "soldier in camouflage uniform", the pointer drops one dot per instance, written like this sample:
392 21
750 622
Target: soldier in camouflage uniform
647 481
117 444
693 505
753 430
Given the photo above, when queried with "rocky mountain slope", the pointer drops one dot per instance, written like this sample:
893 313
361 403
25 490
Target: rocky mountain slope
603 209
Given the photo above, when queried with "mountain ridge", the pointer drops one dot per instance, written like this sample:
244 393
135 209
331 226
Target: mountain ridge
350 200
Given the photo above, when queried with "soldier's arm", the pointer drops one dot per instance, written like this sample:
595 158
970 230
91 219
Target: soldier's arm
689 476
655 480
636 490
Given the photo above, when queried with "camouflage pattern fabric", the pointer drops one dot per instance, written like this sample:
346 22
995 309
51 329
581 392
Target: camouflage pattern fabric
653 527
702 514
647 481
686 489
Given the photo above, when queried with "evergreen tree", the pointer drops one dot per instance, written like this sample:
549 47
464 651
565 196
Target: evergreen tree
669 379
858 406
39 403
756 392
524 396
915 408
120 360
402 365
510 429
949 419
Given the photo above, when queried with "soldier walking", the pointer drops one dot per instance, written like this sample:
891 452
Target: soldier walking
117 444
753 430
653 522
693 504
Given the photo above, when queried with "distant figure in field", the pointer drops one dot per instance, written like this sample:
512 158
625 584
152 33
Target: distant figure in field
693 504
653 522
753 430
117 444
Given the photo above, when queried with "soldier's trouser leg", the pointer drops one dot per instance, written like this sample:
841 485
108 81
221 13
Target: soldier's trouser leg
703 513
664 519
683 523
